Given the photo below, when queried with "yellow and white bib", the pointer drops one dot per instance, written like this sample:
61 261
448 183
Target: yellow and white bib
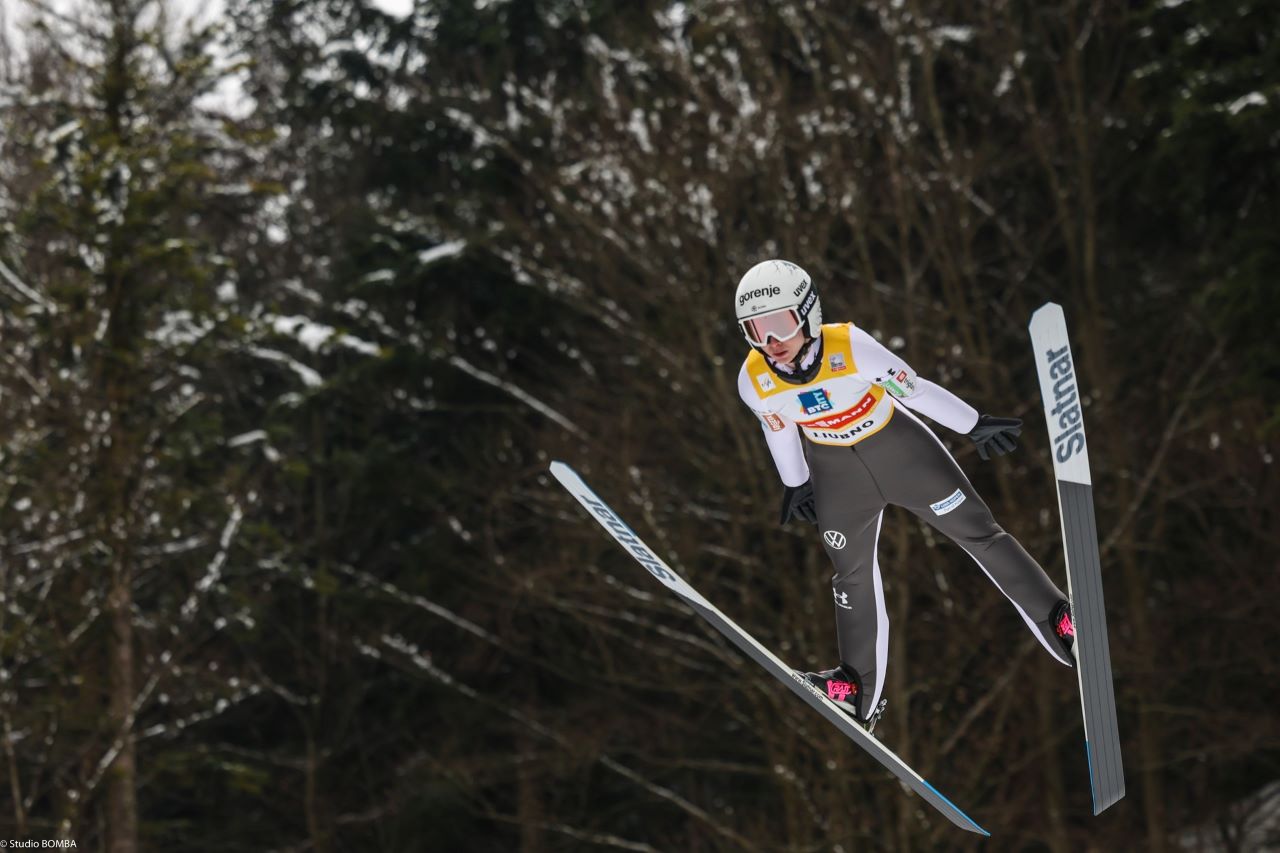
852 396
839 405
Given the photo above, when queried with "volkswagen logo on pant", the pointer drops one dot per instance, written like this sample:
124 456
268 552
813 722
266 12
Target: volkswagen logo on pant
834 538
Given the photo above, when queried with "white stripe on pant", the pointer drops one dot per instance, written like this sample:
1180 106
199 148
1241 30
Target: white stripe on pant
904 464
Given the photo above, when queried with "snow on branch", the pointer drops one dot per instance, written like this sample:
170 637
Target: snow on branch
253 437
214 569
220 706
309 377
247 438
602 839
313 335
431 607
29 292
51 543
528 399
444 250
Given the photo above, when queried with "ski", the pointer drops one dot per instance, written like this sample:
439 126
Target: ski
1064 413
816 699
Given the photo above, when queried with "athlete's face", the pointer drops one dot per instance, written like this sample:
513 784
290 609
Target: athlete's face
785 352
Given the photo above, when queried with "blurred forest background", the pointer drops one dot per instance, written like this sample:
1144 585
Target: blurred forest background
298 299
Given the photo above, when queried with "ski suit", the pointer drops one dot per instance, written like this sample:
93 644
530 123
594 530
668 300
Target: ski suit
852 431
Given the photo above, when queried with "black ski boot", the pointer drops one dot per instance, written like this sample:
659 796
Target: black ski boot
1064 627
842 686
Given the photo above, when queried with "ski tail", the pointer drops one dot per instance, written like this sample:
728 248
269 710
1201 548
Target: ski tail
1097 691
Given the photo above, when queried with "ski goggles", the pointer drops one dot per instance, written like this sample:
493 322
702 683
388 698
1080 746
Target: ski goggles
781 325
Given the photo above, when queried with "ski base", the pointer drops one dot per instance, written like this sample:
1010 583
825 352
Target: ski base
1088 609
1063 410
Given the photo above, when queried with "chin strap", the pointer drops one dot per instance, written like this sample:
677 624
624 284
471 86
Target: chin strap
805 365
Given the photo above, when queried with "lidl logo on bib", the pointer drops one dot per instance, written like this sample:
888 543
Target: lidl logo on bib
948 503
815 401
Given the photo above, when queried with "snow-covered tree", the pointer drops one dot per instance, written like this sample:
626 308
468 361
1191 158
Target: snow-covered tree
129 464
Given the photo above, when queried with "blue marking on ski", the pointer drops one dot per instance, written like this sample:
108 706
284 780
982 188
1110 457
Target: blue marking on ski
1088 756
959 811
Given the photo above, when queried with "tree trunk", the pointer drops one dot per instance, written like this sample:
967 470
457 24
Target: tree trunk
122 798
119 371
119 368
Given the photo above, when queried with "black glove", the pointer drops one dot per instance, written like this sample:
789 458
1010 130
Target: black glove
995 436
797 502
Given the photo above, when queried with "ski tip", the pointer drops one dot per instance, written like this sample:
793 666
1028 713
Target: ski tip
1110 796
1116 796
563 473
968 823
1100 806
1093 790
567 477
1045 309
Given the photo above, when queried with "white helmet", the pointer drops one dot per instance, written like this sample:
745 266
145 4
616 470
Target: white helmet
777 299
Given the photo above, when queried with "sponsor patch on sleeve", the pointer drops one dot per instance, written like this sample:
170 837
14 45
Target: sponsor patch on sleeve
948 503
773 422
899 383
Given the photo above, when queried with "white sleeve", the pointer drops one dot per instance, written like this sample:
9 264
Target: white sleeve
781 434
876 364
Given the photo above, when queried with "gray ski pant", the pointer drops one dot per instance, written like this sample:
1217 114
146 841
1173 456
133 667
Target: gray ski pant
905 464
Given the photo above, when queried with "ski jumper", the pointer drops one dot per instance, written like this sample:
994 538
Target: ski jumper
852 431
